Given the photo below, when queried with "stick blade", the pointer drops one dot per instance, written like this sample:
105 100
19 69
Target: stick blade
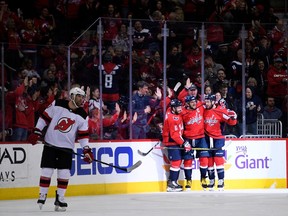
134 166
142 153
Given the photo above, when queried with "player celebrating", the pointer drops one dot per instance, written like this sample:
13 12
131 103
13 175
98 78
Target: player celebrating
66 121
194 133
213 117
172 137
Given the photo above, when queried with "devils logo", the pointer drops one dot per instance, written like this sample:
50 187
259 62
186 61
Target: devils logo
64 125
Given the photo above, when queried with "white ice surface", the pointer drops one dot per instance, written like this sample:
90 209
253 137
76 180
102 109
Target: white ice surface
270 202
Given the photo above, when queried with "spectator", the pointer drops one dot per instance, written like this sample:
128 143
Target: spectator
278 35
121 39
193 62
189 89
270 111
29 37
111 74
20 125
259 72
107 119
111 24
253 106
45 25
264 51
253 83
175 65
141 38
142 104
94 101
13 56
89 11
221 80
208 90
224 55
211 69
277 81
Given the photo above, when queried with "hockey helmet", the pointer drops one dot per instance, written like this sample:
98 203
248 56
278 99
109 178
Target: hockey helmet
175 103
189 98
76 91
210 97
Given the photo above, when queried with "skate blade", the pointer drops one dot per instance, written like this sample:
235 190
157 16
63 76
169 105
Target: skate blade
40 206
187 189
174 190
220 189
60 209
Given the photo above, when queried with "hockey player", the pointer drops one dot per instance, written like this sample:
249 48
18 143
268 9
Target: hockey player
66 121
213 117
172 137
194 133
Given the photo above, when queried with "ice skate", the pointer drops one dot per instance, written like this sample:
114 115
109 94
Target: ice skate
41 201
211 184
204 183
60 204
188 185
220 185
173 186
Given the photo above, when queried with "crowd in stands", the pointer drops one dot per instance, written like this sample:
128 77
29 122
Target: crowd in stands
35 35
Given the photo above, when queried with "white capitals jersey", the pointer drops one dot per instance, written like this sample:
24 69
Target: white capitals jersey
64 125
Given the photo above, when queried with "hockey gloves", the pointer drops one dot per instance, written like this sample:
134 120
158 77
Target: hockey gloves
34 136
88 155
232 114
186 145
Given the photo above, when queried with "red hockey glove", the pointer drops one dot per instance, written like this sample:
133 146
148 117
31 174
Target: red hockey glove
88 155
34 136
187 146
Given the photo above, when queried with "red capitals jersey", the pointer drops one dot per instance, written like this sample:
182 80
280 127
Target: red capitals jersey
172 129
193 123
213 119
64 125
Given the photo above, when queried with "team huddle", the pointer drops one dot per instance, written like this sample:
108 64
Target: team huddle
196 124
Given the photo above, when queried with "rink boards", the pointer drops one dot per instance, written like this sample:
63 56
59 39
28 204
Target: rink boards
250 164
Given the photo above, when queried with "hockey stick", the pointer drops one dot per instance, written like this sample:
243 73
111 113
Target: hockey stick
197 149
146 153
128 169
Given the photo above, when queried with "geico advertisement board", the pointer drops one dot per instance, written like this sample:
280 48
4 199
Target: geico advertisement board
20 163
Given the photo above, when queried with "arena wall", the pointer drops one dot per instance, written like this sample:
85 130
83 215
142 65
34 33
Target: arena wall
250 164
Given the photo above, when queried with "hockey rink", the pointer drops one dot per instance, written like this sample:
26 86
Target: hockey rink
270 202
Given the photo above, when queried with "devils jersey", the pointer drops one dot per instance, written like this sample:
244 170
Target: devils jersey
213 119
172 129
193 123
64 125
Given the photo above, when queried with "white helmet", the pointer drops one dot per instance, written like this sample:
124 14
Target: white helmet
75 91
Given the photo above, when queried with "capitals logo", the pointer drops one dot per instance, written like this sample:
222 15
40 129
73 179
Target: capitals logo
64 125
211 121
